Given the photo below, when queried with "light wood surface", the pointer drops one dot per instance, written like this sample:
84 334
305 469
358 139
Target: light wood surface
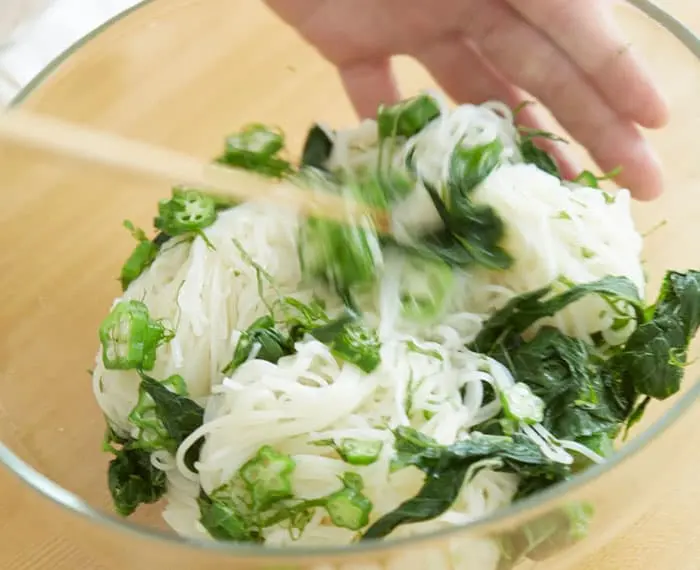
33 32
136 78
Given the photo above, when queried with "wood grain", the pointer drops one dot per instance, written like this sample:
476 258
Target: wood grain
182 73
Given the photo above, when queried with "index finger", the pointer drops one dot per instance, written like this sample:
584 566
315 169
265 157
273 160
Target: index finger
369 84
587 32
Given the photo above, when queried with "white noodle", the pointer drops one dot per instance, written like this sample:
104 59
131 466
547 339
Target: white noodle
553 230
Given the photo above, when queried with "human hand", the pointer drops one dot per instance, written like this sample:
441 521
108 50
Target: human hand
568 54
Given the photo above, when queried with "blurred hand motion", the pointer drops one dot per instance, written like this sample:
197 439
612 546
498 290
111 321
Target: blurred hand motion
569 55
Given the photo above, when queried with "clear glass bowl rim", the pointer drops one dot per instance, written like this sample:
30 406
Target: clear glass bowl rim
539 502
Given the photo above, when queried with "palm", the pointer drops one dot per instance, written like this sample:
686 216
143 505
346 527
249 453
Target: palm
568 55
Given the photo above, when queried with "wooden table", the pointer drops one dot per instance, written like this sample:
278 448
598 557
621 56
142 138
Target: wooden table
31 536
38 30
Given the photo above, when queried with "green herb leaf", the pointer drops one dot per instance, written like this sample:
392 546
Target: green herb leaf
271 344
132 478
425 286
415 448
654 357
396 185
352 342
530 133
406 118
343 255
432 353
656 352
348 338
348 255
469 167
637 414
447 468
130 338
180 415
524 310
379 192
317 148
141 258
220 517
600 443
152 432
444 246
326 330
436 496
532 154
256 148
587 178
580 398
472 231
161 239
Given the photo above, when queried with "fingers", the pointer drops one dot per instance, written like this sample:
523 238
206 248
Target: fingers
587 32
623 145
547 73
465 76
369 84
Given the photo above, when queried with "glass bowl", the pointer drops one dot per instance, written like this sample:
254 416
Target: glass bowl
181 74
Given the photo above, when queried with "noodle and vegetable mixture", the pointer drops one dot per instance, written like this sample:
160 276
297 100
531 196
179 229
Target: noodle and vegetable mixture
283 380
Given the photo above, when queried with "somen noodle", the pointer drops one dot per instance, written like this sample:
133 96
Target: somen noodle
293 382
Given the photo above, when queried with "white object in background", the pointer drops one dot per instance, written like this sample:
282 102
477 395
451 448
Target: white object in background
39 30
15 13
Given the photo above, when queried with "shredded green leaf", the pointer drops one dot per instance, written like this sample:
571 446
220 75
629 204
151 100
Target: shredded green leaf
346 256
413 347
141 258
132 478
524 310
448 467
532 154
354 343
425 287
221 517
262 339
655 354
472 232
406 118
179 416
580 398
317 148
152 432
